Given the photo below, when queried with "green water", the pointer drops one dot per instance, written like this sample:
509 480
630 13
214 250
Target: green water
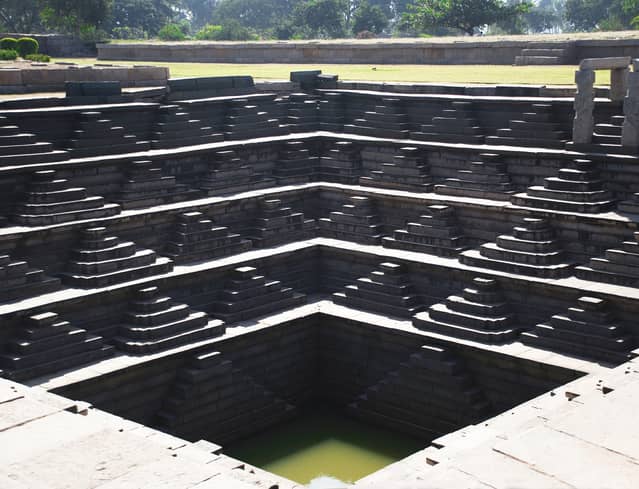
322 442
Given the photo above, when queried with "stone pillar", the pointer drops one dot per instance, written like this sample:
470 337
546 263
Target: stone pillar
630 133
618 83
584 122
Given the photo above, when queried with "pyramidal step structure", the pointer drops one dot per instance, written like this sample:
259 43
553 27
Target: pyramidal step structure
619 266
408 171
386 290
576 188
21 148
356 221
437 233
248 295
213 399
484 178
532 249
587 330
18 280
229 174
155 323
279 223
479 314
101 260
443 396
146 186
196 238
46 344
52 200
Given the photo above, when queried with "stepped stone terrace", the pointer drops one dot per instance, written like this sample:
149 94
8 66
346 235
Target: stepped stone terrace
200 265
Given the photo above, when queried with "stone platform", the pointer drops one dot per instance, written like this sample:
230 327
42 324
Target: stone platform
296 249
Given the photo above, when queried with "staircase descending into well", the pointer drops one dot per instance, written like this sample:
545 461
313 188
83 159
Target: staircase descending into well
213 399
428 395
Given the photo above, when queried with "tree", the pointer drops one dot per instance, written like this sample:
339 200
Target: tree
589 15
546 16
73 15
369 17
257 14
322 18
465 15
145 15
20 15
201 11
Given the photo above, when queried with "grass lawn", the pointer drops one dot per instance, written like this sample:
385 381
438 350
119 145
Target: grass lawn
536 75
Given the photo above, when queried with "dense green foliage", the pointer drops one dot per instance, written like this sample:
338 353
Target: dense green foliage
95 20
8 54
40 58
9 43
171 32
26 46
465 15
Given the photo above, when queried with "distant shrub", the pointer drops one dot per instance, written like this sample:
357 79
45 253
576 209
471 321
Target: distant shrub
9 43
232 30
365 35
172 32
27 45
8 54
209 33
129 33
90 34
40 58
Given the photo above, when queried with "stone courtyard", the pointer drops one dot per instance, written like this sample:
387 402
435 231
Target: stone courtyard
460 264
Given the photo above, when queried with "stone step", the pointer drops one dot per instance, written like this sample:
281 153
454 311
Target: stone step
473 258
67 216
375 306
525 200
560 345
543 52
474 193
557 183
537 60
61 363
608 129
160 266
24 148
424 321
595 196
272 306
191 332
442 313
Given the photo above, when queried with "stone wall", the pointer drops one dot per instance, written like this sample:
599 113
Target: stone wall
318 358
53 77
58 45
480 51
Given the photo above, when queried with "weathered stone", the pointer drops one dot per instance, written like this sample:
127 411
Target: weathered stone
52 200
584 122
386 290
197 238
479 314
155 323
587 329
101 260
531 250
356 221
436 232
46 344
630 133
248 295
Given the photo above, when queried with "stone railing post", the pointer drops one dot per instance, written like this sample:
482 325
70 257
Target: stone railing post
618 83
584 122
630 132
